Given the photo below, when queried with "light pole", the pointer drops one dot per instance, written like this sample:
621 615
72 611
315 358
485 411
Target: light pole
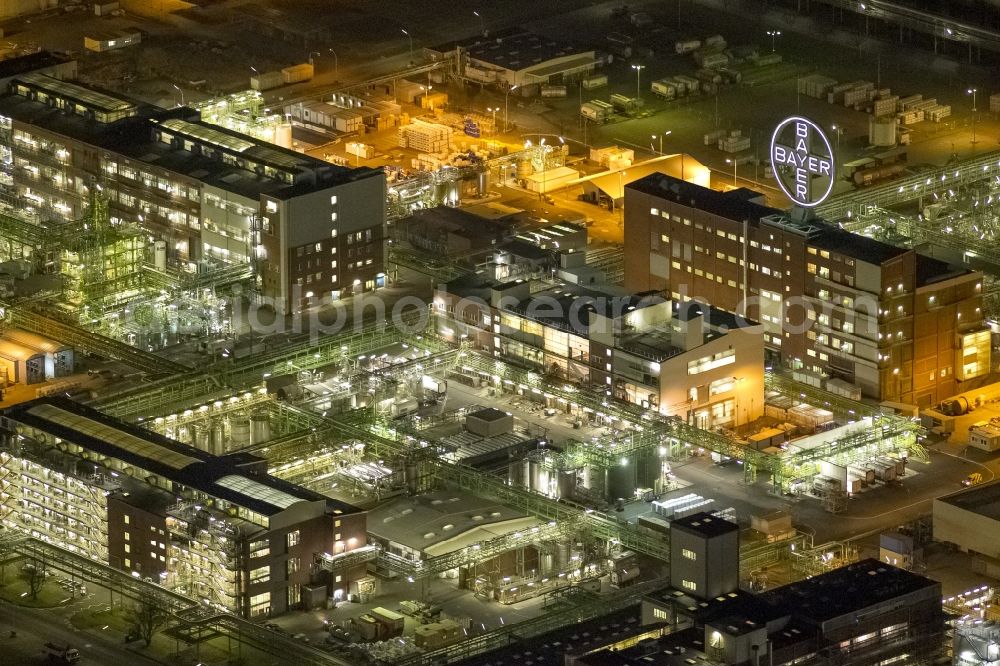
311 60
482 26
336 63
973 91
541 147
733 162
506 98
836 166
638 75
408 36
667 133
773 34
180 91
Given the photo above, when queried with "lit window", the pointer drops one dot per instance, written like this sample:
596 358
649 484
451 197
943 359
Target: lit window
293 538
333 200
126 519
689 585
660 614
333 217
689 554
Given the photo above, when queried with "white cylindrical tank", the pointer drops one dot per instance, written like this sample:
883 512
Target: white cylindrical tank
239 431
260 427
217 441
882 131
202 437
160 255
283 135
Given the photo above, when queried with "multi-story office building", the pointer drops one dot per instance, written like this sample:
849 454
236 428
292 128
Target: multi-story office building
848 309
218 528
635 347
311 229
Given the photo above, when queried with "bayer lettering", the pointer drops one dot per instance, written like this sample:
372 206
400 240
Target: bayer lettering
801 161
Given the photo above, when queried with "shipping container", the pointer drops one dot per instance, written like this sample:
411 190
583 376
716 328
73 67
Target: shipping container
595 81
693 84
715 60
297 73
553 91
687 46
267 80
596 110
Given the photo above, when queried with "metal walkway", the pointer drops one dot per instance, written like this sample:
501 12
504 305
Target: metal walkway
81 338
858 202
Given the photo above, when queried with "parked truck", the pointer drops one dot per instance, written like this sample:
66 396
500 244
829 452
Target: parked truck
663 88
596 110
687 46
63 653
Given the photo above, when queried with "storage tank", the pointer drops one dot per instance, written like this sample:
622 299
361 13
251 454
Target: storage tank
620 481
515 473
201 437
566 483
217 438
160 255
532 471
882 131
482 183
239 431
411 478
260 427
547 563
283 135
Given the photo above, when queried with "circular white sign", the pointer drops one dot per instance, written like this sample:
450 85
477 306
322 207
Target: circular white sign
803 162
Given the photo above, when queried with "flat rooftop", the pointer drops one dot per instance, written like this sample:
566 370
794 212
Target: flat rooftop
224 477
440 522
847 590
514 49
705 524
983 500
134 137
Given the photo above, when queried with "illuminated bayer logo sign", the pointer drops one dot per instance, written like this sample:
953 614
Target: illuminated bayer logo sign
803 161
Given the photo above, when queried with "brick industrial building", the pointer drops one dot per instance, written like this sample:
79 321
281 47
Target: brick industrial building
839 308
213 197
218 528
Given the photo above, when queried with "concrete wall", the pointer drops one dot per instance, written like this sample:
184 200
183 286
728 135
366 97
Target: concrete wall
970 531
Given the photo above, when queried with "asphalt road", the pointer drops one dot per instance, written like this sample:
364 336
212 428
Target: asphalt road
36 627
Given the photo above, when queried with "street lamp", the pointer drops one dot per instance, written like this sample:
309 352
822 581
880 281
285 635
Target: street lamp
638 73
836 168
773 34
973 91
506 97
733 162
180 91
667 133
311 54
482 26
408 36
336 64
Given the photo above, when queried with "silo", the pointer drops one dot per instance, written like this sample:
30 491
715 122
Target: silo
882 131
239 431
566 483
217 440
283 135
260 427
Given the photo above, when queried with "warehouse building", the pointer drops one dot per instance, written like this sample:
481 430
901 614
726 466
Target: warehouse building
637 347
311 230
836 307
970 519
522 59
218 528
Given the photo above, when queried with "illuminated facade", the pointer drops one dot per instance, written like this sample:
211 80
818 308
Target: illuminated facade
217 528
839 308
689 360
312 230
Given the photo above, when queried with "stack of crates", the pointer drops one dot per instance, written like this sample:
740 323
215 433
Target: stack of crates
816 85
425 137
995 103
734 142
